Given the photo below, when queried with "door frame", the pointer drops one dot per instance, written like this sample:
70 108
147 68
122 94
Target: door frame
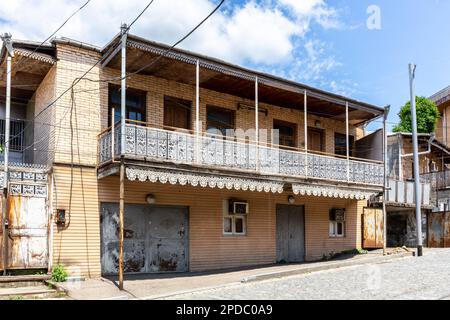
278 205
188 244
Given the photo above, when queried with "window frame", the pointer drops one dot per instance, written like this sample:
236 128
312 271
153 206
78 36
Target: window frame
140 94
333 227
294 128
220 126
233 218
351 144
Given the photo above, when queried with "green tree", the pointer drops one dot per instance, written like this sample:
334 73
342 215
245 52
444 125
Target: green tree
427 116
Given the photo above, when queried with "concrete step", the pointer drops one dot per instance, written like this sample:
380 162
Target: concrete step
22 281
38 291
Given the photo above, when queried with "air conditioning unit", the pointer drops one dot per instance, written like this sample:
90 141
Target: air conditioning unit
337 215
238 207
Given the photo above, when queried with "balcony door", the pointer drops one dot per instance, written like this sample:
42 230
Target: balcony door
316 140
287 133
219 120
177 113
135 104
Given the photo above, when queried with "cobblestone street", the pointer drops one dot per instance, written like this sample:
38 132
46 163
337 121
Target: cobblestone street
408 278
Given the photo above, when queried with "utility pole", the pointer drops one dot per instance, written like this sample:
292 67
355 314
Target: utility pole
412 75
10 52
386 181
124 31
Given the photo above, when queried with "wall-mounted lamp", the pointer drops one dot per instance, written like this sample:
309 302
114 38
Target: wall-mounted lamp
150 198
60 217
318 124
291 199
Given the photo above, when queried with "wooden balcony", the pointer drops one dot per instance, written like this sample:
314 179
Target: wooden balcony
149 144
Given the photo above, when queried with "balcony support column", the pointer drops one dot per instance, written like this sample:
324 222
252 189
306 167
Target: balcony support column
113 112
305 115
347 142
123 77
197 113
257 121
124 31
386 184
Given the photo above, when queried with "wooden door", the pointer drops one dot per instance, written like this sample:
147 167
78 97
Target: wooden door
290 227
315 140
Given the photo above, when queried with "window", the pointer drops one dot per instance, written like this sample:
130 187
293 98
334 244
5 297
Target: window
219 120
340 144
177 113
337 223
135 103
286 133
234 223
16 135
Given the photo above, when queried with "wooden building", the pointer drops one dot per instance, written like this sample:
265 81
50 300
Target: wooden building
224 166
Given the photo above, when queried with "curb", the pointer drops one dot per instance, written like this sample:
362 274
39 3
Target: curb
282 274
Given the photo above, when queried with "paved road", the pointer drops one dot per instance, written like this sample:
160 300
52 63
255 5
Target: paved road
409 278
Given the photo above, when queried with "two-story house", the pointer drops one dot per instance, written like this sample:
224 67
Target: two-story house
223 166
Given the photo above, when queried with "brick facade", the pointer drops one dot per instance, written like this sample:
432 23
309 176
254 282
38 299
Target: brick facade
78 245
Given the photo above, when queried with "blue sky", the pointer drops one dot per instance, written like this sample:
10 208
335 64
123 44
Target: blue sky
411 31
320 43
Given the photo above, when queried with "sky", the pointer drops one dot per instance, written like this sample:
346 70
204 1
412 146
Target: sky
356 48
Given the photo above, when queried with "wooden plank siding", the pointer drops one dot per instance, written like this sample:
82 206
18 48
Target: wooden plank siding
78 246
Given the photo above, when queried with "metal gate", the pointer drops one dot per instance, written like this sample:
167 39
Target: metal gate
155 238
439 229
27 218
28 241
373 225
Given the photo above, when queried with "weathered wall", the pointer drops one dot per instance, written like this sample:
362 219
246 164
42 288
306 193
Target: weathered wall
40 142
210 249
78 244
443 124
402 228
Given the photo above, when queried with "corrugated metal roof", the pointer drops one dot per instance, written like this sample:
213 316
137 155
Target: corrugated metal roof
442 96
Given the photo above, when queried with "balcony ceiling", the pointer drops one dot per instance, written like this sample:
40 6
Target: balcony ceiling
219 76
29 69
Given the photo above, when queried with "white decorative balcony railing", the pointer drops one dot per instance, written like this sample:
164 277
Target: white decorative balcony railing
153 144
402 192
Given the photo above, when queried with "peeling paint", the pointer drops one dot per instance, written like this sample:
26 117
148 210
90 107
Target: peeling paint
155 239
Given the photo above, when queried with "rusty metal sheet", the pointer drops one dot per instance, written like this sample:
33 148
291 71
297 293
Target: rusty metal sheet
373 228
27 233
155 239
439 230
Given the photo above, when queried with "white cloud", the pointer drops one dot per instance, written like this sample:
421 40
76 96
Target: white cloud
267 34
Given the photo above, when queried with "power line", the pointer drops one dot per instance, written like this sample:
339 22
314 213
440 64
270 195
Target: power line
56 31
167 51
77 80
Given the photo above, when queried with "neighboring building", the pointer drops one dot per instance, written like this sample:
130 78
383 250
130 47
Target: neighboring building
401 222
194 201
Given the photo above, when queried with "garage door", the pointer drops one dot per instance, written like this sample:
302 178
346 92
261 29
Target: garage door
155 239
